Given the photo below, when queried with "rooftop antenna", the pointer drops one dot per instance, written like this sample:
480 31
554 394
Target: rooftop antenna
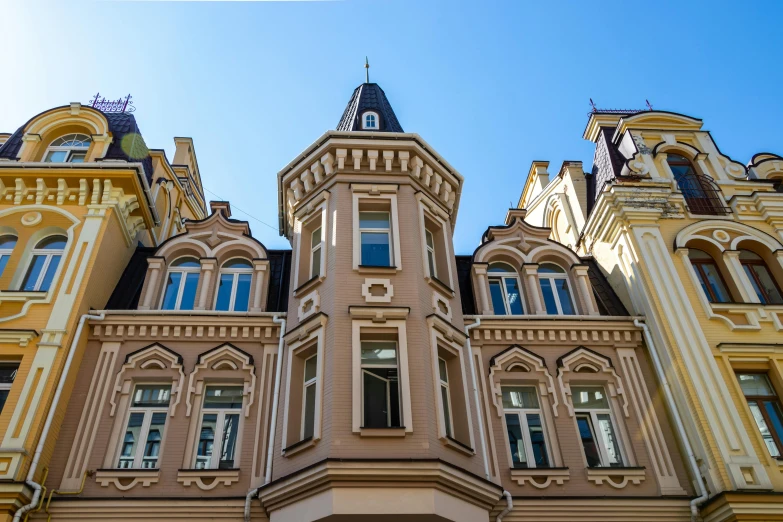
366 70
592 104
649 105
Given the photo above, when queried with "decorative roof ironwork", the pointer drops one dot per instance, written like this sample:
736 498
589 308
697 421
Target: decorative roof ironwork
118 105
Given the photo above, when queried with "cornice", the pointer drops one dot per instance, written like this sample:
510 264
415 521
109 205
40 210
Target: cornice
162 328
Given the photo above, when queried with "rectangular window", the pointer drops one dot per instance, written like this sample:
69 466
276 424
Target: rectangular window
596 428
315 253
380 385
375 237
445 396
180 295
506 297
7 376
765 407
525 427
219 425
309 397
430 241
144 432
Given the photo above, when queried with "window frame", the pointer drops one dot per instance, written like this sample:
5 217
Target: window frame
49 255
235 272
367 195
502 277
429 243
702 196
149 412
376 120
220 426
70 151
7 386
313 248
552 277
522 414
598 436
775 398
306 384
364 370
701 275
386 231
6 253
754 278
182 282
446 408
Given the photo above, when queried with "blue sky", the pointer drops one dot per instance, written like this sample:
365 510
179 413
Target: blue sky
490 85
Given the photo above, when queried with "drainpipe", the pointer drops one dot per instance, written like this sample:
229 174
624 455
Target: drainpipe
484 457
273 427
509 506
39 450
703 495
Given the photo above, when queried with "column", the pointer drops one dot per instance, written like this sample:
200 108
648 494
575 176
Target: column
737 273
154 267
531 282
259 274
580 274
481 275
208 265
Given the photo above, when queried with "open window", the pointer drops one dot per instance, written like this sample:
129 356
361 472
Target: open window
505 290
451 390
233 293
218 432
597 431
45 259
181 284
143 437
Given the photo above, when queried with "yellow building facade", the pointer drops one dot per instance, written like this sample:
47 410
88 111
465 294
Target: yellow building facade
691 240
79 190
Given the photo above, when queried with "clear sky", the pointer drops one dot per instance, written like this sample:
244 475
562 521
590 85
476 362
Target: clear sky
490 85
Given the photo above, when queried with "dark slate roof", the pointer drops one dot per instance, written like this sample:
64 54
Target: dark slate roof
369 97
608 302
128 290
121 124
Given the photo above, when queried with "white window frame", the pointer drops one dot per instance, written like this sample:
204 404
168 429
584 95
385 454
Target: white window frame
306 384
522 414
7 251
598 436
553 277
502 276
235 272
316 248
217 443
304 217
446 407
148 411
431 211
70 151
181 289
49 254
386 231
366 193
396 365
432 262
377 121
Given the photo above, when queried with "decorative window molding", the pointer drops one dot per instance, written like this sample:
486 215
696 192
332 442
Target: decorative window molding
71 148
45 263
234 285
381 198
435 244
308 305
308 220
127 479
441 306
618 478
372 296
514 361
540 478
207 479
226 357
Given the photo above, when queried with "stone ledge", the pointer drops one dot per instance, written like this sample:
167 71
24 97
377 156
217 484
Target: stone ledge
126 479
540 477
618 478
207 479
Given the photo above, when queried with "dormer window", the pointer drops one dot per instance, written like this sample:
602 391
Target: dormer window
233 293
71 148
370 121
181 284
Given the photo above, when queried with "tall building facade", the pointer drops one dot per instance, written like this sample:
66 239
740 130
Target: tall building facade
692 240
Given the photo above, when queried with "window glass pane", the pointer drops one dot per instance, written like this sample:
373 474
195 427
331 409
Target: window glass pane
444 374
755 384
379 353
223 397
588 441
431 263
172 287
515 441
31 278
375 249
237 263
549 297
444 396
152 395
775 416
501 267
206 440
229 446
715 282
154 437
589 397
428 238
224 292
520 397
8 372
189 293
498 302
610 439
315 239
769 440
537 440
186 262
514 297
376 400
56 156
77 157
767 284
8 242
315 268
3 262
565 296
373 220
52 243
549 268
131 438
54 262
309 412
3 398
311 365
242 297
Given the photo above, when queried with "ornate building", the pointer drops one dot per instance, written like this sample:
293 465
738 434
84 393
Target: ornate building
367 372
692 240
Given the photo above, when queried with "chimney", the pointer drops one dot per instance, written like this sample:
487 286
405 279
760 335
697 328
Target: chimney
224 207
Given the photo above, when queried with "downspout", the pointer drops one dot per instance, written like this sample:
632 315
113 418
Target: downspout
273 425
49 417
509 506
703 495
482 439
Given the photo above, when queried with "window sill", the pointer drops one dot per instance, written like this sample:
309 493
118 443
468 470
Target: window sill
727 307
297 447
540 478
370 269
618 478
440 285
207 479
125 479
382 432
457 445
21 295
308 285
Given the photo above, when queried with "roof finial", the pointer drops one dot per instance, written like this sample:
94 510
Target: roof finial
649 105
366 70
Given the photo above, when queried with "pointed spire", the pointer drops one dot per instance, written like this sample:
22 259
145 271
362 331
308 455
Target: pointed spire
366 70
369 97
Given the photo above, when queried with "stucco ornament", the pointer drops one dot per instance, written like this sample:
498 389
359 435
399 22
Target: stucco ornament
721 235
735 170
31 219
638 167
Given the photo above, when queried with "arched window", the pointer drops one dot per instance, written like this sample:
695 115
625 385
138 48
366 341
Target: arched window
181 284
760 277
233 292
556 290
370 120
701 193
44 263
7 244
709 276
504 289
71 148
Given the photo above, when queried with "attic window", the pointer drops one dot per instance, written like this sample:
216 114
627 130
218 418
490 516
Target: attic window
71 148
370 120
